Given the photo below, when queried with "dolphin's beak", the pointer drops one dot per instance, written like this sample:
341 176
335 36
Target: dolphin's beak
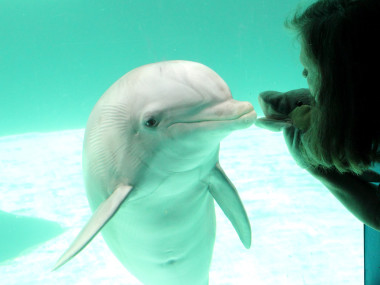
231 112
217 121
234 115
248 114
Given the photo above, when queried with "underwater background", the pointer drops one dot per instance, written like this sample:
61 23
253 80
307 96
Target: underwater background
56 60
57 57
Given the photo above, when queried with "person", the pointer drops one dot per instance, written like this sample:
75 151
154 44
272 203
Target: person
335 133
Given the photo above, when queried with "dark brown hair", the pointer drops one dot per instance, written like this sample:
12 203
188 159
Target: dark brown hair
340 38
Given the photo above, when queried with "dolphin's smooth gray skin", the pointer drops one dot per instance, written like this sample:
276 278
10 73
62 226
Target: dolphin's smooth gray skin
151 170
277 106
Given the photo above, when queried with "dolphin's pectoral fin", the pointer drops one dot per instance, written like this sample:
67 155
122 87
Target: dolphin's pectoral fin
226 195
101 216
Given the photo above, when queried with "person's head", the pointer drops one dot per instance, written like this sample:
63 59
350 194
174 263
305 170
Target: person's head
341 61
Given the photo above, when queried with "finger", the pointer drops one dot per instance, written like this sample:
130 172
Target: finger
300 117
272 124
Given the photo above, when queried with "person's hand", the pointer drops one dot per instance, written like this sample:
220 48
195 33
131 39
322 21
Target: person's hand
300 117
288 112
282 110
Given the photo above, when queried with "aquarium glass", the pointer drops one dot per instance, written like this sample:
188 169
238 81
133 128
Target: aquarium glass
58 57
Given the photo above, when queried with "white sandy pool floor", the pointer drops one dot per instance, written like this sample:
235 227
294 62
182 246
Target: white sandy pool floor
301 234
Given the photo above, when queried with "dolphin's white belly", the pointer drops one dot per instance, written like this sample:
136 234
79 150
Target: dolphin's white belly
166 239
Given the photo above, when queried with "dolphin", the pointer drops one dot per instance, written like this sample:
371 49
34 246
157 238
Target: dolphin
151 171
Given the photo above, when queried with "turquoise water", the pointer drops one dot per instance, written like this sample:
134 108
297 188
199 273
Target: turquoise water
58 57
300 233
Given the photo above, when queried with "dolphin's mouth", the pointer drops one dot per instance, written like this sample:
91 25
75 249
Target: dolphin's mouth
247 116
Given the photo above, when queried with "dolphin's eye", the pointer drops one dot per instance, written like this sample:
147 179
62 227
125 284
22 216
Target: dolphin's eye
151 123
